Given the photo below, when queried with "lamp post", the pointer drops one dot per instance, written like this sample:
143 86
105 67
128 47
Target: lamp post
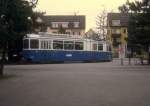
121 53
129 56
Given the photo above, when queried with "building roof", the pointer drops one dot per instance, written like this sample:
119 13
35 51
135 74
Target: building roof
65 18
123 17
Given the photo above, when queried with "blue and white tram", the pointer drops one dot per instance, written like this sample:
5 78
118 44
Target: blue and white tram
61 48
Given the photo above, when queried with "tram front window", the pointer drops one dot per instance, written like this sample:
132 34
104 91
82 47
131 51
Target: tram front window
68 45
78 45
57 44
34 44
26 44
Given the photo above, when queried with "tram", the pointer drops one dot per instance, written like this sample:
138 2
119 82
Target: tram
49 47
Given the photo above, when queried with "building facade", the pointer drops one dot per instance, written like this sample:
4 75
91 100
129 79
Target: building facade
72 24
117 33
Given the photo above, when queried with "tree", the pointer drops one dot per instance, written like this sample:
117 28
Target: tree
139 25
101 22
123 9
37 22
91 34
14 23
61 30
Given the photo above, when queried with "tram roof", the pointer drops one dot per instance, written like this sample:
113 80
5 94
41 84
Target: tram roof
53 35
58 36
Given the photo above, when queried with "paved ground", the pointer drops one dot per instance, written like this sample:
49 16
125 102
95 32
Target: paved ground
85 84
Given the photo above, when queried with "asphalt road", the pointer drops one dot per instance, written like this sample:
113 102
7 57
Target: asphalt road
76 84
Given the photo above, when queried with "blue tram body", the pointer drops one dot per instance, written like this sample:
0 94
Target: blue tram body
73 49
56 56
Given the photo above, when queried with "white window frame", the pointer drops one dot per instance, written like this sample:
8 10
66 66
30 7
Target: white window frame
76 24
116 23
55 25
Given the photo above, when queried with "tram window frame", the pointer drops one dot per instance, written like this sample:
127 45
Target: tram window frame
45 44
35 44
100 47
68 45
79 45
95 46
57 45
26 44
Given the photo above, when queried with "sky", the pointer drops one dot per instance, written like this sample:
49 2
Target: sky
89 8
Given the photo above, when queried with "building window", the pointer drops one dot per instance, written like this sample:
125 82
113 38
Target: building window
67 32
118 40
76 33
76 24
116 23
58 24
65 25
34 44
79 33
73 33
55 25
116 31
54 32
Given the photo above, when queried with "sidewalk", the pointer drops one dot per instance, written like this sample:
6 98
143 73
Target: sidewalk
133 61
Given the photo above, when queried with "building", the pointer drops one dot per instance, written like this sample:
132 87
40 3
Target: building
117 34
72 24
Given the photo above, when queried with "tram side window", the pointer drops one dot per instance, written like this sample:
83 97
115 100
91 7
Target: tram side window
68 45
100 46
57 44
95 46
45 44
78 45
26 44
34 44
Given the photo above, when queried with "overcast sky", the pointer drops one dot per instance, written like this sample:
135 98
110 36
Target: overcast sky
90 8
